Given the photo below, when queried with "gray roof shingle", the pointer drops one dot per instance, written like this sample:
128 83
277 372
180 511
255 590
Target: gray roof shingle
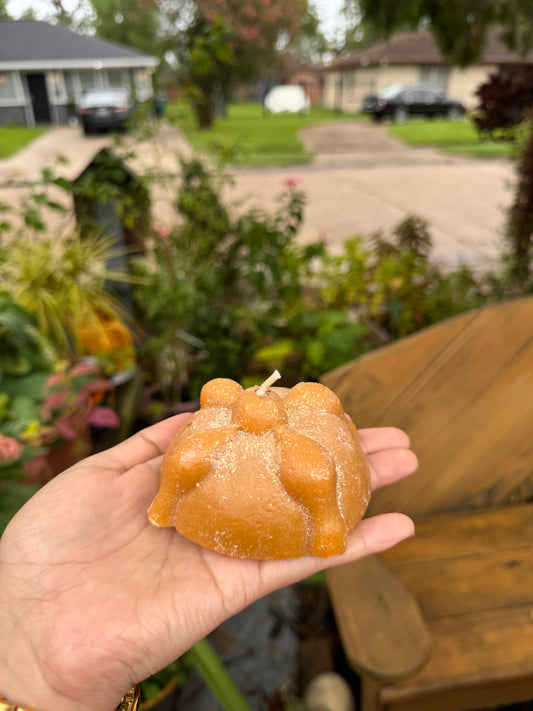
33 40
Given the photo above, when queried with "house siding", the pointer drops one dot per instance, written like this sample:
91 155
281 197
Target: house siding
463 83
10 115
64 89
345 89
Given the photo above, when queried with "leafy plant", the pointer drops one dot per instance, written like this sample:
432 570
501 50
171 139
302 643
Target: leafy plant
43 406
394 286
63 283
504 100
207 662
217 283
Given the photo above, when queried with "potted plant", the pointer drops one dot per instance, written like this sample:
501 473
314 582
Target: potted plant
64 283
48 407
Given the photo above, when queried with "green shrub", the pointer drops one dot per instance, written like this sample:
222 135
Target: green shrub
394 284
218 284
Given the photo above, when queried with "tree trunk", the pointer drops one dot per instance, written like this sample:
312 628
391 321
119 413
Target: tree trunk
520 222
204 110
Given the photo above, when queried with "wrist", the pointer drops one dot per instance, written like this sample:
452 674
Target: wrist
30 672
24 681
21 684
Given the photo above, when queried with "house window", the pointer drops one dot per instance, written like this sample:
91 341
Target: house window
116 78
8 89
435 77
88 80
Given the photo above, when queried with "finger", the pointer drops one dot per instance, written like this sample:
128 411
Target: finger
142 446
391 465
372 535
374 439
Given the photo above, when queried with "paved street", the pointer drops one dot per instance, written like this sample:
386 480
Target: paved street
360 181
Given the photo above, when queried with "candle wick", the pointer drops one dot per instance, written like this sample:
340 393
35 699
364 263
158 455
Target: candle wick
262 389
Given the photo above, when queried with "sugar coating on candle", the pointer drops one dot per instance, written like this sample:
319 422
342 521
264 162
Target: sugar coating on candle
255 500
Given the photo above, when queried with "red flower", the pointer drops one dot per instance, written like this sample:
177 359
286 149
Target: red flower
103 417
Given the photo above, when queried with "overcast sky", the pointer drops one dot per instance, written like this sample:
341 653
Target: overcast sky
327 11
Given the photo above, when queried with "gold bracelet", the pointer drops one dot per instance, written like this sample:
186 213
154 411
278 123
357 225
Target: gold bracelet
6 705
130 702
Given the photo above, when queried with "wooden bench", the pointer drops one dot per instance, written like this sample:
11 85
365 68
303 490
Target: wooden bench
445 619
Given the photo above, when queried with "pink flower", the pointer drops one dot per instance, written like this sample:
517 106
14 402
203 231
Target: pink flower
54 379
103 417
291 182
65 427
253 32
10 448
35 467
95 387
161 230
84 369
55 401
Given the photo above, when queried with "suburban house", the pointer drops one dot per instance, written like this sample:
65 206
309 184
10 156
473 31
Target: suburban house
44 70
411 58
305 75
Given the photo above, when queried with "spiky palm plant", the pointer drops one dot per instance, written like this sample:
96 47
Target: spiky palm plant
64 283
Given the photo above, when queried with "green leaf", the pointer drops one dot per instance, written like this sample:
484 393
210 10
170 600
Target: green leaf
207 662
25 407
13 496
31 385
222 52
33 219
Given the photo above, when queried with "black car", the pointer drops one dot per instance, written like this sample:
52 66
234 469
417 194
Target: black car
105 109
400 102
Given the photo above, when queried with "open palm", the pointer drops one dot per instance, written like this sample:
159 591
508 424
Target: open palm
94 598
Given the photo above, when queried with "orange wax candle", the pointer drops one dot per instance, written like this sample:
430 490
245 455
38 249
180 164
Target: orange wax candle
264 473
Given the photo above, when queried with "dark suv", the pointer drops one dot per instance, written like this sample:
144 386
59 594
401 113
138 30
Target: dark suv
399 102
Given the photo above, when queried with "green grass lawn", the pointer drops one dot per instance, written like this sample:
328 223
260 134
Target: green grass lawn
457 137
258 139
13 138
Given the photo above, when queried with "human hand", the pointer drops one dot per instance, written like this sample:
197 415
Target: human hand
94 598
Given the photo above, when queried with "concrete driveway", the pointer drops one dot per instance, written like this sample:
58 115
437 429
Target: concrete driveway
361 180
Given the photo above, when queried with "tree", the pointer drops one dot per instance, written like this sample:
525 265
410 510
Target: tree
309 45
130 22
218 43
4 14
205 58
460 28
359 31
